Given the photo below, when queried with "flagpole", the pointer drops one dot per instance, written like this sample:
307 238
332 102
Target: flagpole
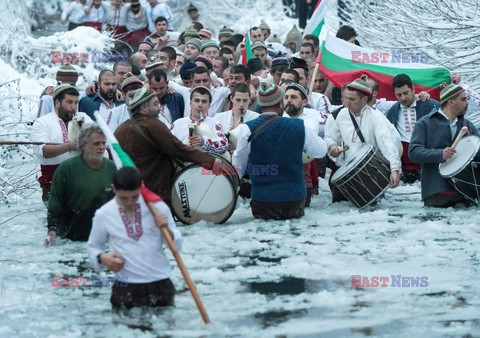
183 269
315 71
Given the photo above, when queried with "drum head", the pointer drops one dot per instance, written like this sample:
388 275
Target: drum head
352 162
467 148
198 194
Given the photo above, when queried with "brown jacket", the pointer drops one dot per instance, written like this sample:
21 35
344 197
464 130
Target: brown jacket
154 161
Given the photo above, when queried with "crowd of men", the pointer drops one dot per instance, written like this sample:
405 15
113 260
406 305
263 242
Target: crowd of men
196 78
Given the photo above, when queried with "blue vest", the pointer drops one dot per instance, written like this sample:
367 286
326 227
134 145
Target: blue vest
275 162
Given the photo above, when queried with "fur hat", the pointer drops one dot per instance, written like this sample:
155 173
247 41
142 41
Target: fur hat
298 63
130 81
67 74
191 7
449 92
360 85
269 94
294 36
254 65
209 43
61 88
139 97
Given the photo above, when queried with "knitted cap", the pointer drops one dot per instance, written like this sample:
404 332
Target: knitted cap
148 42
191 32
274 38
225 31
187 68
205 33
205 60
61 88
300 88
297 63
254 65
449 92
279 61
271 51
135 2
191 7
129 81
209 43
154 65
195 42
139 97
264 25
269 94
259 44
67 74
360 85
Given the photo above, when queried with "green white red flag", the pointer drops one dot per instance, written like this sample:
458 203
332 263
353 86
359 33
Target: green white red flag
121 158
317 21
342 62
247 53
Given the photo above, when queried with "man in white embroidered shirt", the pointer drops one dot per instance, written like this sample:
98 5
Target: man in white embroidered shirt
372 124
136 245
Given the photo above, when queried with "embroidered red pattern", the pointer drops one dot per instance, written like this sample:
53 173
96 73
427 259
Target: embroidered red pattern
128 224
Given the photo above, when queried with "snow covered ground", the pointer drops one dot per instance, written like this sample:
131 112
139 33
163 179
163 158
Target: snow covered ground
259 278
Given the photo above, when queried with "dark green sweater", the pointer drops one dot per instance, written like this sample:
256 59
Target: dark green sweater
77 192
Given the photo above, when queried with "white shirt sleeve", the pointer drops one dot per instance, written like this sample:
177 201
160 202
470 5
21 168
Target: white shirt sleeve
241 154
314 146
96 241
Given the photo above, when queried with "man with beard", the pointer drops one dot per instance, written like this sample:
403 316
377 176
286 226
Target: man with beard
295 99
80 186
104 100
53 128
136 22
152 146
431 144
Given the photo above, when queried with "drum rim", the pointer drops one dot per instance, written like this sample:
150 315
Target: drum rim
477 148
230 181
370 147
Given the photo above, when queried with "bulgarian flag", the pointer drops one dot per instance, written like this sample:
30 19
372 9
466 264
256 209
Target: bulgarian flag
247 52
121 158
342 62
316 22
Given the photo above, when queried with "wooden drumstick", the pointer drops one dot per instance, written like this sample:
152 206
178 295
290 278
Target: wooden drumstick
344 149
459 137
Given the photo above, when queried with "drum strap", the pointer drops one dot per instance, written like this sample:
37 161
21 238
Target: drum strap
260 127
357 128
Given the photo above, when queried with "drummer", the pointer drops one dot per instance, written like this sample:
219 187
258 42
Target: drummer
209 135
431 143
373 128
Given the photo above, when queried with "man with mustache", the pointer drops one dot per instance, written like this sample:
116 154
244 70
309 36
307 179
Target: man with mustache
104 100
80 186
53 128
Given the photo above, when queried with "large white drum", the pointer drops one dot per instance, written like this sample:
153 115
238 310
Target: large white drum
199 194
364 178
462 169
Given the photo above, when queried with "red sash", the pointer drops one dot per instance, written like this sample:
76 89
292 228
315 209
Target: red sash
408 165
47 174
135 37
118 31
96 25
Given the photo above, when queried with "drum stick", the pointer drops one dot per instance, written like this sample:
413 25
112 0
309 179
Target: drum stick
9 143
182 267
462 132
344 149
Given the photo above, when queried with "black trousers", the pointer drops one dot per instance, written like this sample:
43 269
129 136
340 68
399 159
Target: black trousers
278 210
155 294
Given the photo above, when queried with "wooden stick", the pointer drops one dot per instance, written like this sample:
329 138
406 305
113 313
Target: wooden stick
9 143
312 82
462 132
182 267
